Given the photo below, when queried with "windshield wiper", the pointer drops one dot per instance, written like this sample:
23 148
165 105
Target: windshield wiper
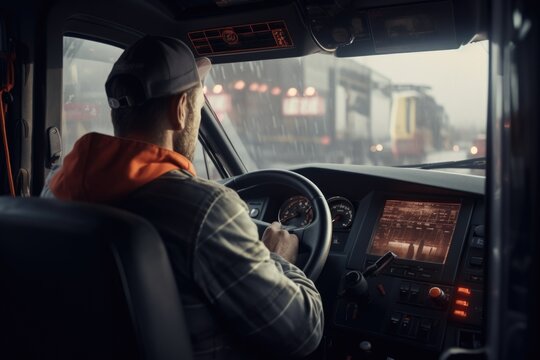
476 163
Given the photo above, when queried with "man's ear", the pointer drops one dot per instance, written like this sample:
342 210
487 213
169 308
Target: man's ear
179 112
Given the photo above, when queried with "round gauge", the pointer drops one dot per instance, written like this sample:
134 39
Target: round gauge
342 212
296 211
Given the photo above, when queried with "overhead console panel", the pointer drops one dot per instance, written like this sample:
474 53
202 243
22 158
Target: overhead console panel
241 38
349 28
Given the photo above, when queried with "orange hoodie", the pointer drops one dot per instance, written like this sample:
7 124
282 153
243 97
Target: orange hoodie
103 168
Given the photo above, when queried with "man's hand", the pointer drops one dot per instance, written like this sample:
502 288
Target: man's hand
279 241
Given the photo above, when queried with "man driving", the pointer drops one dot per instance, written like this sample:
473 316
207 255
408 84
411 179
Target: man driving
243 298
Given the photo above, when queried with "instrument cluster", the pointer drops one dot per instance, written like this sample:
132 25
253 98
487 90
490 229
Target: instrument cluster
298 211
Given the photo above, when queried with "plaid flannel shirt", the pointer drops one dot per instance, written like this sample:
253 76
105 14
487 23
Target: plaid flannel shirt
241 301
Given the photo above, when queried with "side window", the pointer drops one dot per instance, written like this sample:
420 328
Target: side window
86 65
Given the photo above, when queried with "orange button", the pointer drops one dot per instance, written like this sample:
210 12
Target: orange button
464 291
460 313
435 293
464 303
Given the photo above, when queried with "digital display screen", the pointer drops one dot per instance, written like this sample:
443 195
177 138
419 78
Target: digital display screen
415 230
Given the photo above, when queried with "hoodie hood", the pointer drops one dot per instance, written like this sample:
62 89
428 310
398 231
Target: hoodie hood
103 168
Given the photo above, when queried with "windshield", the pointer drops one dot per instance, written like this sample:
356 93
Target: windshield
397 109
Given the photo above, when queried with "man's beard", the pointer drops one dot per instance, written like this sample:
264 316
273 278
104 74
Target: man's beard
184 142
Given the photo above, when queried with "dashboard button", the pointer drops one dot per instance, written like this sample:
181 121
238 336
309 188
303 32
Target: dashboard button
365 346
395 320
405 326
404 291
425 324
476 261
424 329
464 291
480 231
254 212
477 242
410 273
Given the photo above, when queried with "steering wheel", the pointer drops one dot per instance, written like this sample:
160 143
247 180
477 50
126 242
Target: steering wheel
314 238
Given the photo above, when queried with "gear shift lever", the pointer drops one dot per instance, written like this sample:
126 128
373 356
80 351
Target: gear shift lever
354 283
380 264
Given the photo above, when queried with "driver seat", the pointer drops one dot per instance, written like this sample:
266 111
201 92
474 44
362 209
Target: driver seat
82 281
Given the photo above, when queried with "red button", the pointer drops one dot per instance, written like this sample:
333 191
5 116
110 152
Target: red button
460 313
464 291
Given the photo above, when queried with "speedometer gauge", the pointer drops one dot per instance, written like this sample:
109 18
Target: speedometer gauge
342 212
296 211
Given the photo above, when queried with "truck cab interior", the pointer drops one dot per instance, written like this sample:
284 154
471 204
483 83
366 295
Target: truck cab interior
396 138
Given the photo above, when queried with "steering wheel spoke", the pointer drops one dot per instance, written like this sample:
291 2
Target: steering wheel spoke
261 226
308 236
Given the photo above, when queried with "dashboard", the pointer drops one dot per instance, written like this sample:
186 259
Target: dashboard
430 298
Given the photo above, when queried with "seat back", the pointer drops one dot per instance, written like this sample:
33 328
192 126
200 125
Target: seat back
80 281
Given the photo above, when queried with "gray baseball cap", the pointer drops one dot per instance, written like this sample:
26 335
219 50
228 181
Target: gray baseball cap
153 67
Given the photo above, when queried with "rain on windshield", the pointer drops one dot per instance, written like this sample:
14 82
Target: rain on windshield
394 109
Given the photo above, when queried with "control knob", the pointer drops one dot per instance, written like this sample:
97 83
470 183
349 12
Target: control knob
438 296
355 286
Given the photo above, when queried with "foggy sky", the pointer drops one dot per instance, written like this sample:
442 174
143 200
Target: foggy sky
459 79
